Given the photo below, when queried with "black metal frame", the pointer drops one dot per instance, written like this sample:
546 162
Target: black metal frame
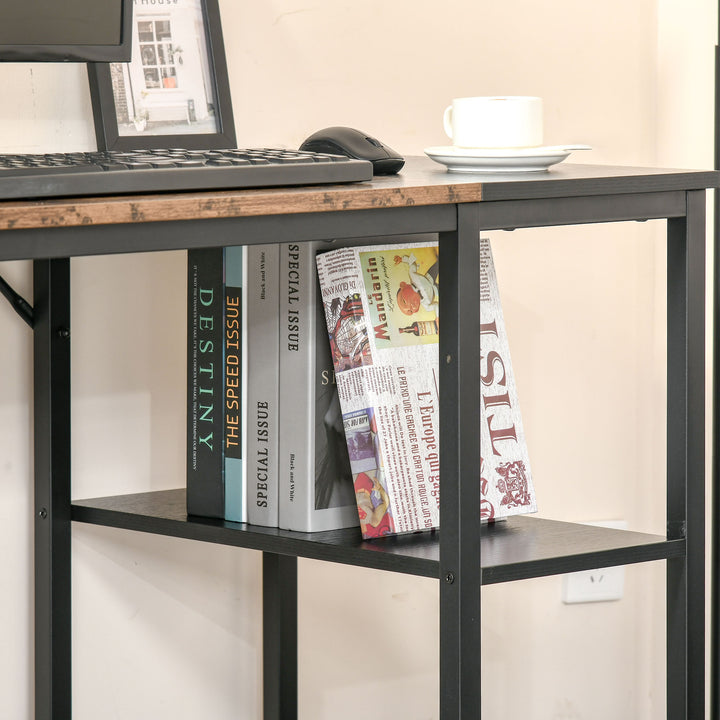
460 574
105 113
715 443
280 686
460 567
686 459
52 489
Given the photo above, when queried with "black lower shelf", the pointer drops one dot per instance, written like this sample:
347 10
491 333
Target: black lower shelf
521 547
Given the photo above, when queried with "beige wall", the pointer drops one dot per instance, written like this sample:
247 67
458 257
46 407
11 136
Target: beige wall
168 628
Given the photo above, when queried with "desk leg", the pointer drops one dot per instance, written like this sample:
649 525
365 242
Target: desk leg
460 570
52 489
686 461
280 637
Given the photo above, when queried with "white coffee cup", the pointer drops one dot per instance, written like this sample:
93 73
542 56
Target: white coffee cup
501 121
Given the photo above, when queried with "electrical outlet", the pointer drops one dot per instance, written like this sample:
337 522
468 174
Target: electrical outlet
595 585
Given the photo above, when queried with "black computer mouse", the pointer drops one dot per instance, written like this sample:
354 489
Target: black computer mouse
355 144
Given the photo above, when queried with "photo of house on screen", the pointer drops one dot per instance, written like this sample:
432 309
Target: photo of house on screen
167 88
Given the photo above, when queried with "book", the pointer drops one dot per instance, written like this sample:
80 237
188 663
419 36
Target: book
233 352
205 490
261 327
215 475
382 312
315 480
506 485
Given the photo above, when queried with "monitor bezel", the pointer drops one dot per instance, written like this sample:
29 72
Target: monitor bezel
119 52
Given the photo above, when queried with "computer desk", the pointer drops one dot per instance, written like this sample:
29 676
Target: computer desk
424 198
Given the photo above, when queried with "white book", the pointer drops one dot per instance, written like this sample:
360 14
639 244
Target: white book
315 483
261 283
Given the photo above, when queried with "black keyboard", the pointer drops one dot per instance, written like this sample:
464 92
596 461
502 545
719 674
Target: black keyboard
112 172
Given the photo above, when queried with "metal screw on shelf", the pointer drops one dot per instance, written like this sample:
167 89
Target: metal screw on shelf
448 359
64 333
42 514
450 578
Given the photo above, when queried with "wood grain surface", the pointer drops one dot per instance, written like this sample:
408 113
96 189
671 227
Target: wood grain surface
421 182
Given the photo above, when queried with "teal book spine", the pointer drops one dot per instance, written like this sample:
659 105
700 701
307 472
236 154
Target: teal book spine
233 391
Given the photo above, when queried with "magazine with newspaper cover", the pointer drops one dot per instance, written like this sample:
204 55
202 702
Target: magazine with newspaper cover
381 305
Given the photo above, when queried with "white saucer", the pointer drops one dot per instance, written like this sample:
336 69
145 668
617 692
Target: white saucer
500 160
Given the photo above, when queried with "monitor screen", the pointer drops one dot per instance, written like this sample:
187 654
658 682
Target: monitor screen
65 30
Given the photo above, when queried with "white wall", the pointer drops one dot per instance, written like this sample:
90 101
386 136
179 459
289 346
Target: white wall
167 628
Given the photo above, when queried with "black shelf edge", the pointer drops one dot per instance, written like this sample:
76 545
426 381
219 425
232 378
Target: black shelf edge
577 180
520 548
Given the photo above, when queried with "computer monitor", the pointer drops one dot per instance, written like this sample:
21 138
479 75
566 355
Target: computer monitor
65 30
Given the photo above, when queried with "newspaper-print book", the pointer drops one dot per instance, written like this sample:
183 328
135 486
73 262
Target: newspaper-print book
382 310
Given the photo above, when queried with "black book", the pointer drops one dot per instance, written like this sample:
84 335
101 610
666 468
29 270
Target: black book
205 486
